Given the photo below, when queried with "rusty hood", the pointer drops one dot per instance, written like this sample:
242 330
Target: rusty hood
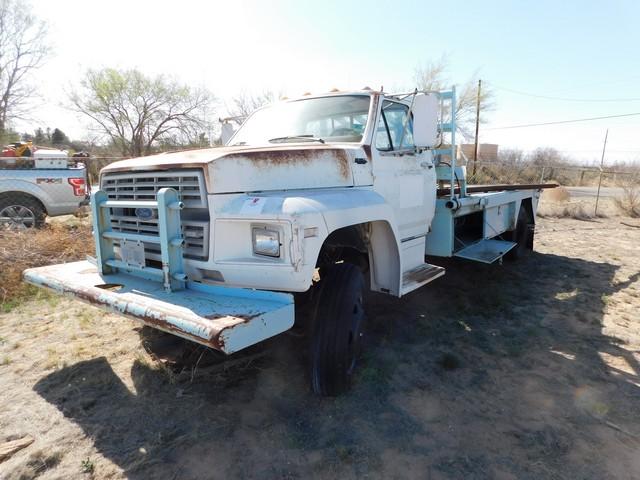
245 169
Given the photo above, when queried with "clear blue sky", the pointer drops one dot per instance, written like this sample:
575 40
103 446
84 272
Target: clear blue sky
571 49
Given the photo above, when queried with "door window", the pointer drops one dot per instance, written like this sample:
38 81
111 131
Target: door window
395 127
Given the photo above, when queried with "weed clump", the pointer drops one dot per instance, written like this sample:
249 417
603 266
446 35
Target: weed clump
22 249
629 202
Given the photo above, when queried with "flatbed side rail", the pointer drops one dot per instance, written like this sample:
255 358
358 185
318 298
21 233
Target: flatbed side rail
443 192
132 258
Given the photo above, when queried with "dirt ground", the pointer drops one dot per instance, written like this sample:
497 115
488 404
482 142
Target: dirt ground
516 371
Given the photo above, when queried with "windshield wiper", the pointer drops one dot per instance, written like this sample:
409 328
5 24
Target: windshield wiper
310 138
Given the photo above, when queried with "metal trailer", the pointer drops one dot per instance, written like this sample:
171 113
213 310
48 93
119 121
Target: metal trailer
471 222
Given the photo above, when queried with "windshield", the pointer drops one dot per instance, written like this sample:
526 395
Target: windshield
325 119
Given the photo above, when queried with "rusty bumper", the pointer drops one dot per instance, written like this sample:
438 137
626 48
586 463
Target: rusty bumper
224 318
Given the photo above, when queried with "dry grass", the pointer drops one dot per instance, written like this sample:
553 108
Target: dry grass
55 243
557 203
575 210
558 194
629 203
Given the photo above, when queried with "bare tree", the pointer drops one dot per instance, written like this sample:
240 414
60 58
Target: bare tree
547 156
245 104
137 112
22 49
511 156
434 76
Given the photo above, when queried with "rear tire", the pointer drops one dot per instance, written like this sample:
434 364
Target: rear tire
522 235
18 210
336 337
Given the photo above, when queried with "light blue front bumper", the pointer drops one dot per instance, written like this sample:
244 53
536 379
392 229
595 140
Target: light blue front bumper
224 318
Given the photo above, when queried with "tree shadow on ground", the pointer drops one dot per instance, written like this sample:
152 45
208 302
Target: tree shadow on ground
491 371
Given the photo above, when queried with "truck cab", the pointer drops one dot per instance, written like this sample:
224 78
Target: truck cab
309 202
291 169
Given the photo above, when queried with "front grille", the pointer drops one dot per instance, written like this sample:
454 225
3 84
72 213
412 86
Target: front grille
145 185
195 233
142 186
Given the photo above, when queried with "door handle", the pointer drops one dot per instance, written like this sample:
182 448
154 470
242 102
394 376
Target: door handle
426 165
361 161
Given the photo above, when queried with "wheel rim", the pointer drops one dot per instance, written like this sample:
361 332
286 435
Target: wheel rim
17 216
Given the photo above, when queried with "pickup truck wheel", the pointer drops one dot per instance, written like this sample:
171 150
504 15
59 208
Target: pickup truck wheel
20 211
521 236
337 329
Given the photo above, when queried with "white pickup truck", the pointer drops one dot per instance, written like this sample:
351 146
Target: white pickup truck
312 201
47 183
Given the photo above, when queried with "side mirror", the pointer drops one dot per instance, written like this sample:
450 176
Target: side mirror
226 133
425 120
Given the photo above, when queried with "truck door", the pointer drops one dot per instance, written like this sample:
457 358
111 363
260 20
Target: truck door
405 178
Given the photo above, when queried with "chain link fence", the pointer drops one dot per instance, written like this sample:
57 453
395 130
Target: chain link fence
496 172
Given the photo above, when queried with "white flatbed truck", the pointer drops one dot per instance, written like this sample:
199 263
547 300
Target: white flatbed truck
312 200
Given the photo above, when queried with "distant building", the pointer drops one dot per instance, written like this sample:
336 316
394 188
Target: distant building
487 152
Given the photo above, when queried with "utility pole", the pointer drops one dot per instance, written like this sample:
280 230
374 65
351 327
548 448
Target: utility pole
604 147
475 149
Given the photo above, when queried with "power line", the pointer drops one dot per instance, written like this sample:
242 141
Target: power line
609 81
565 99
598 150
563 121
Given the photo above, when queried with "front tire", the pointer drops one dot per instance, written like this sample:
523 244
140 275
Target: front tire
18 210
337 329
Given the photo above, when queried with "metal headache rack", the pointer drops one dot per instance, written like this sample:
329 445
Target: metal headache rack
450 174
451 177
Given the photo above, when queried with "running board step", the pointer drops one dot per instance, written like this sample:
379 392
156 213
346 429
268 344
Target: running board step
485 251
420 276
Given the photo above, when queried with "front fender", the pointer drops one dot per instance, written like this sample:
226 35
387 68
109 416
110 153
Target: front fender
313 216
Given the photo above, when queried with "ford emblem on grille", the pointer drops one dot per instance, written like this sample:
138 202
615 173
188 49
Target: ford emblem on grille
145 213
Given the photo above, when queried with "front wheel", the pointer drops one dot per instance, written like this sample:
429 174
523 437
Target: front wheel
18 211
337 329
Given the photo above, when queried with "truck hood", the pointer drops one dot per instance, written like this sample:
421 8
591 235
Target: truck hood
250 169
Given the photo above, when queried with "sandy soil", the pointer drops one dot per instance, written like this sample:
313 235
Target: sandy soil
527 370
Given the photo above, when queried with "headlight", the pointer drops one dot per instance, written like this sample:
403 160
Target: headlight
265 242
